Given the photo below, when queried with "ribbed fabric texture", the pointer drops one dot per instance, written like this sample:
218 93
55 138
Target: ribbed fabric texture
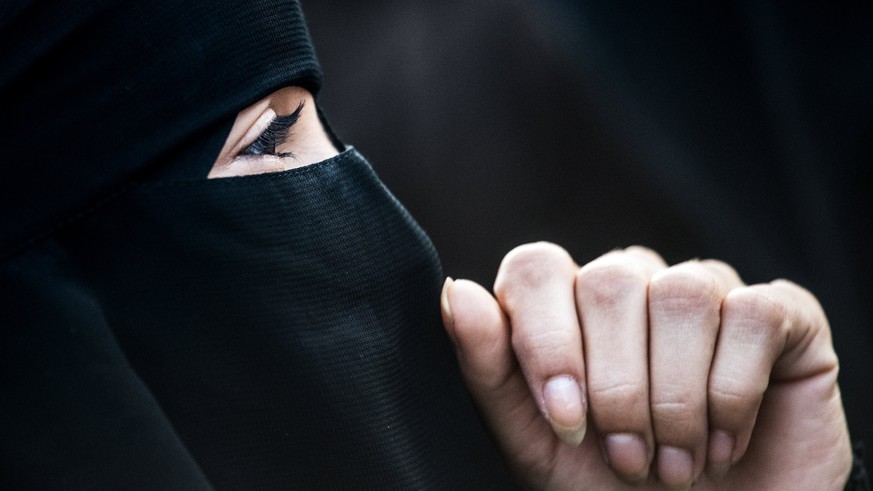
161 331
274 331
95 93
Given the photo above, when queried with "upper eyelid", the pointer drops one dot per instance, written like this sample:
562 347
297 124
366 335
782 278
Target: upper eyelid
275 133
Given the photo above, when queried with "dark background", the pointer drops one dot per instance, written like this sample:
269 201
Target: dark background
742 132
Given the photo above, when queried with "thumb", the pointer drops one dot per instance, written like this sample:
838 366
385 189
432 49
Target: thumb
481 333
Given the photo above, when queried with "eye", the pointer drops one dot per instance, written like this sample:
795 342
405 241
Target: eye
275 134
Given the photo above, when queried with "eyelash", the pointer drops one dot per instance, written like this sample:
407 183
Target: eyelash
275 134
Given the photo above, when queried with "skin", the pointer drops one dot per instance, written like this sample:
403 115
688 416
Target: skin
307 139
629 374
626 373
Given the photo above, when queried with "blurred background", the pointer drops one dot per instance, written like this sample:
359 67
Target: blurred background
737 131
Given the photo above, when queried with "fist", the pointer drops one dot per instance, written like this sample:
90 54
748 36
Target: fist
628 373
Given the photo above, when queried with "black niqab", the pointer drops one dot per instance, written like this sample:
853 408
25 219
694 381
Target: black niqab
159 330
96 93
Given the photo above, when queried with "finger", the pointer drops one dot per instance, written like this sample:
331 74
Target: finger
770 333
684 316
481 335
534 286
611 296
726 274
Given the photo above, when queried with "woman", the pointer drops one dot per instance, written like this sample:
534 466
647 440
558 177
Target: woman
268 318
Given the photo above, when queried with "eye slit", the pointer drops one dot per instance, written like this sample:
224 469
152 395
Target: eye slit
275 134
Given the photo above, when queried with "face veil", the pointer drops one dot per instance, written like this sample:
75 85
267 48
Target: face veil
164 331
97 93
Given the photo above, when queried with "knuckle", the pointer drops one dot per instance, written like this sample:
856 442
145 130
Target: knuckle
608 282
617 393
722 267
733 394
679 420
532 265
678 410
619 405
641 249
731 402
545 345
649 255
676 421
685 288
755 310
716 263
808 303
790 285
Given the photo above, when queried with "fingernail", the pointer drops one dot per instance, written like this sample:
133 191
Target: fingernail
565 408
627 455
448 318
675 466
721 447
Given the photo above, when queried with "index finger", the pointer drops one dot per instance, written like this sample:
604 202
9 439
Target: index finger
534 286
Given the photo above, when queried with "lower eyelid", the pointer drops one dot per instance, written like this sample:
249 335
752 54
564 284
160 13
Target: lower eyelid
266 157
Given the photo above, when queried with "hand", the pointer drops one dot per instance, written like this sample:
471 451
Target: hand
679 374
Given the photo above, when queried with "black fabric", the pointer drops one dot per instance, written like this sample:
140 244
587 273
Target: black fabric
97 92
275 331
159 330
741 131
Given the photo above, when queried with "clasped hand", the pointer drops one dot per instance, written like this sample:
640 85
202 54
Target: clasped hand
627 373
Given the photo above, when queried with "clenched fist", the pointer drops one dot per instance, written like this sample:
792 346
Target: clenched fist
627 373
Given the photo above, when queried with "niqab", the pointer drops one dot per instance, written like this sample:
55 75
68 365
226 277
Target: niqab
161 330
